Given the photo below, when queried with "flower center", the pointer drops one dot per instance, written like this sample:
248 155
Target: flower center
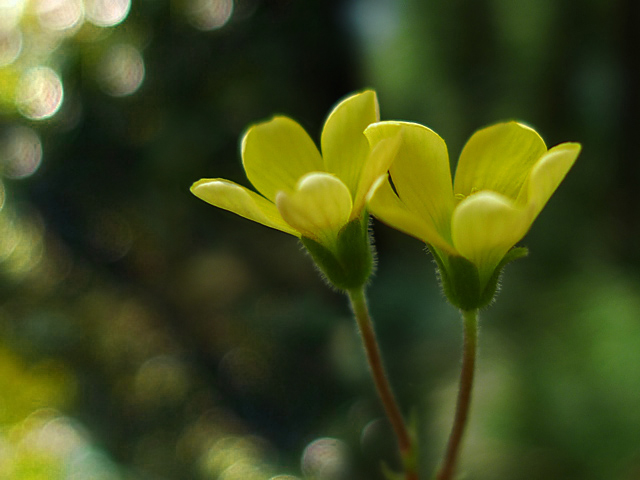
461 196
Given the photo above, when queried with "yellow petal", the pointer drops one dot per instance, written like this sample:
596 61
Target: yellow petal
377 165
237 199
385 205
420 172
498 158
319 207
276 154
344 147
485 226
547 174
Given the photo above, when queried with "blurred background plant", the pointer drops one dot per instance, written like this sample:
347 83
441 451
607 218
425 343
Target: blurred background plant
147 335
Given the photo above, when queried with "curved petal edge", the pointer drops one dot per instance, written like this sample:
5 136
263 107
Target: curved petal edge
235 198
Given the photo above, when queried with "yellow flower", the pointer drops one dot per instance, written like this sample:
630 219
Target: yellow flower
300 191
504 178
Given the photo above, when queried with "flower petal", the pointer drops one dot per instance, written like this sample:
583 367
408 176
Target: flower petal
319 207
388 208
498 158
276 153
420 172
344 147
377 165
239 200
485 226
547 174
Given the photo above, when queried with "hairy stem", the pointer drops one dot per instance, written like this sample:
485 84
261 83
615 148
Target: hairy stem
367 333
448 466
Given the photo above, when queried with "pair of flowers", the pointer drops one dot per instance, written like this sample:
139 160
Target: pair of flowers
505 176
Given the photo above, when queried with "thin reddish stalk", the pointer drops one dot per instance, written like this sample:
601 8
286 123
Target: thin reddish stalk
448 467
374 358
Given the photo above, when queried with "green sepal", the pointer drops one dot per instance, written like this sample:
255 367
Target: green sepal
350 263
461 282
493 284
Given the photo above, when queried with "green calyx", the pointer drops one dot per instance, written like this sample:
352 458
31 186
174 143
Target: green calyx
349 264
461 282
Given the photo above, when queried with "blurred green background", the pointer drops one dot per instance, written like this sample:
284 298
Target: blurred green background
147 335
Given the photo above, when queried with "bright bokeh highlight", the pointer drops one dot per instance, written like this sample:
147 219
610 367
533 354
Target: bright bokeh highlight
36 440
10 13
39 94
59 15
21 244
209 14
235 457
121 71
20 152
107 13
325 459
33 34
11 42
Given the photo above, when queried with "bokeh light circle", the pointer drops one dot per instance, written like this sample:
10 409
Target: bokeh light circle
59 15
107 13
20 152
11 42
121 70
11 12
325 459
209 14
39 94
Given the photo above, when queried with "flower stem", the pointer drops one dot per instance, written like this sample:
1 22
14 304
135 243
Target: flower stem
470 318
367 333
